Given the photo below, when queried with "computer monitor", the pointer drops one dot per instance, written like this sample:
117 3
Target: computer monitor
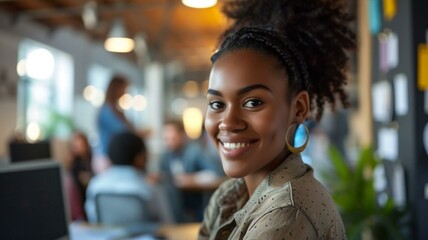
23 151
32 202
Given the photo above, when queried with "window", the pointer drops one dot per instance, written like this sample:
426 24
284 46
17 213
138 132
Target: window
45 91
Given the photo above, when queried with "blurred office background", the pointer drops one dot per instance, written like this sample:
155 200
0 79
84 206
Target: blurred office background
56 59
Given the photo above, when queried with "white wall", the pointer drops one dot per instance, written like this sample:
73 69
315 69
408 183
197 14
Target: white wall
7 123
8 104
155 98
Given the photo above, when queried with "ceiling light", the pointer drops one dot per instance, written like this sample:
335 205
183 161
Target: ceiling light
199 3
141 49
89 15
117 40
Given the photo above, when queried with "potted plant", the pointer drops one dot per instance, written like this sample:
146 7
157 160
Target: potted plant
352 188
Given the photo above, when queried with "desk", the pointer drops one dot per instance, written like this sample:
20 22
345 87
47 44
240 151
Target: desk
82 230
187 231
196 193
191 183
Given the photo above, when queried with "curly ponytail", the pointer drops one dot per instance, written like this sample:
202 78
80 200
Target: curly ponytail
309 38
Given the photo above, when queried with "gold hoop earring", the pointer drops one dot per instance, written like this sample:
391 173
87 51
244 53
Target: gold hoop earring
297 149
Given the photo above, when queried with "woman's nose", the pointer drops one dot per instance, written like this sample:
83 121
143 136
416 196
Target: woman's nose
232 121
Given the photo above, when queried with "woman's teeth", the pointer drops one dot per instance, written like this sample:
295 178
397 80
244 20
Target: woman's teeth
233 146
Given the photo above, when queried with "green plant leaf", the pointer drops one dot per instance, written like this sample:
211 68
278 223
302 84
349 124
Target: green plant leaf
353 191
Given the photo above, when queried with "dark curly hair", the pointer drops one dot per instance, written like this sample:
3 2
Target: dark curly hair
308 37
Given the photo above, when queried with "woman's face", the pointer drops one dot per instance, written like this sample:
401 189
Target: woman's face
173 137
248 112
79 145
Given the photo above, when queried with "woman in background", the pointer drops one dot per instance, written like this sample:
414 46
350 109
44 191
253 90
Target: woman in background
81 168
78 173
111 119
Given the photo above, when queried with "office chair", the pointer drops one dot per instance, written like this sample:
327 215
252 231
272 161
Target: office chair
120 209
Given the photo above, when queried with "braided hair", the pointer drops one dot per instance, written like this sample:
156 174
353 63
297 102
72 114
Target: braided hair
309 38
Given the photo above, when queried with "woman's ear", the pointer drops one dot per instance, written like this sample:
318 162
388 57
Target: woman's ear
302 105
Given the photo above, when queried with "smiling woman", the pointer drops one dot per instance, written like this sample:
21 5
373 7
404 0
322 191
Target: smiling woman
247 113
278 59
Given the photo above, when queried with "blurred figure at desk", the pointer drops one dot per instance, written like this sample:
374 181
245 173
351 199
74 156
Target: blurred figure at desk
81 154
185 170
78 174
128 154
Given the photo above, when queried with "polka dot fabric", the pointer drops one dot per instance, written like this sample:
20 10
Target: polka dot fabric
289 204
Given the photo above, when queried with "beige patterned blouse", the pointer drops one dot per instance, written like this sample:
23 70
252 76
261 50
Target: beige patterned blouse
288 204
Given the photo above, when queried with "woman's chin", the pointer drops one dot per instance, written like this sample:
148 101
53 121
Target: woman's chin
233 171
233 175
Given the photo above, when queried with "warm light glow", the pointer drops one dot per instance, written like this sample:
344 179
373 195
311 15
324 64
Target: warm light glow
40 64
93 95
20 68
118 40
191 89
33 132
139 103
119 44
199 3
99 98
89 93
125 102
192 120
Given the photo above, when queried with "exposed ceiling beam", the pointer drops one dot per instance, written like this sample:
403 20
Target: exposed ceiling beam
76 11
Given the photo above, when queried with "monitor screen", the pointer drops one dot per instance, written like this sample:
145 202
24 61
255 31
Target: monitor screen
20 151
32 201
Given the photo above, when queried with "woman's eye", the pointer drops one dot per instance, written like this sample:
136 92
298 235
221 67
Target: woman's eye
216 105
252 103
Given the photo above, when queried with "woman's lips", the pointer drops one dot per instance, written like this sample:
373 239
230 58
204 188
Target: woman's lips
234 150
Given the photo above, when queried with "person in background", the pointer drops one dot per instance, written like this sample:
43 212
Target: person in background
81 154
182 164
111 120
128 154
71 183
74 197
278 64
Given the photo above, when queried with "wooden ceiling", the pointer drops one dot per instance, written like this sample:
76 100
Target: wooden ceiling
172 31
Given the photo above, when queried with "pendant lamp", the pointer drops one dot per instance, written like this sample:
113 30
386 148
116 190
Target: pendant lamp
118 41
199 3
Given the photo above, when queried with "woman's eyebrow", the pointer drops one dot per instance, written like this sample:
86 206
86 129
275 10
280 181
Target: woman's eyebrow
253 87
214 92
242 90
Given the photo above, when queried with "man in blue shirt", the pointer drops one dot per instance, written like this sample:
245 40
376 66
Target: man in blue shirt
128 154
185 162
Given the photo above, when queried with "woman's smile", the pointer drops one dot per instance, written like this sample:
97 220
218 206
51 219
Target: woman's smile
234 149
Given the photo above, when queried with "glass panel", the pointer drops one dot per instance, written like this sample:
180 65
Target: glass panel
45 91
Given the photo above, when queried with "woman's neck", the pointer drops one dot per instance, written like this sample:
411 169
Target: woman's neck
253 180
